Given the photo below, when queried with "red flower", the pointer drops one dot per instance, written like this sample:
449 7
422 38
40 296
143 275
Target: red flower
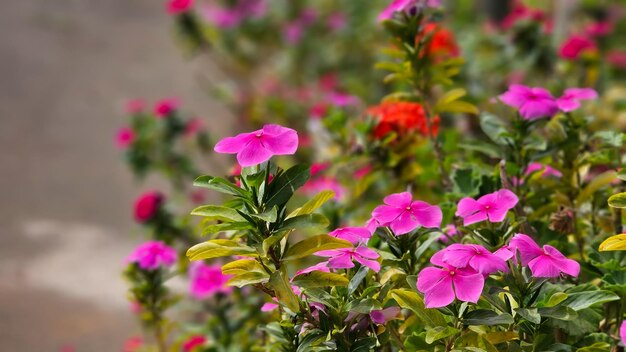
575 45
176 7
441 43
147 205
402 117
193 342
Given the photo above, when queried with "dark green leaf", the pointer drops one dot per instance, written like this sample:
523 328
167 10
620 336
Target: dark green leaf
487 317
283 186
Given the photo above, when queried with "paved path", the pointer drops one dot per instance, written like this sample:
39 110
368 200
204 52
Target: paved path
66 68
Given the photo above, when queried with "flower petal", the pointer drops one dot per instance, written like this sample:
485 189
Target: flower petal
343 261
426 215
385 213
372 264
231 145
253 153
440 295
526 246
400 200
404 223
429 277
468 288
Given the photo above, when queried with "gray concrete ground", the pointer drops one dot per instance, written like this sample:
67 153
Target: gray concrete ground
66 68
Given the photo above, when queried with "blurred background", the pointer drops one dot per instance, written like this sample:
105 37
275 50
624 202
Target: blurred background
68 67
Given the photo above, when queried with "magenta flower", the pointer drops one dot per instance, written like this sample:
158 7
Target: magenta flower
194 343
152 255
224 18
575 45
354 235
382 316
404 215
337 21
342 99
259 146
135 106
319 184
176 7
372 224
406 6
164 107
125 137
570 100
207 280
147 205
342 258
193 126
532 103
547 170
492 207
449 231
323 266
543 262
293 32
441 285
471 255
622 332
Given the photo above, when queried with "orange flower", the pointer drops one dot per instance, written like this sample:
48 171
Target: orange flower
442 42
402 118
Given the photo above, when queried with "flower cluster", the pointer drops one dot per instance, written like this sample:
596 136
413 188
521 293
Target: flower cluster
402 118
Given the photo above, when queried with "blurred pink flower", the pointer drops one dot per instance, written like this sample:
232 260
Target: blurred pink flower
324 183
147 205
616 59
575 45
382 316
473 256
337 21
622 332
362 172
323 266
342 100
125 137
547 170
193 126
492 207
293 32
308 16
152 255
133 344
404 215
599 29
318 111
207 280
259 146
449 231
354 235
533 103
221 17
176 7
194 343
543 262
316 168
521 12
342 258
166 106
405 6
570 100
135 106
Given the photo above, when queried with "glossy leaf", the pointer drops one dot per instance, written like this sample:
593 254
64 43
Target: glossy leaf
219 184
314 244
614 243
283 186
215 212
320 279
219 248
618 200
284 292
312 204
487 317
411 300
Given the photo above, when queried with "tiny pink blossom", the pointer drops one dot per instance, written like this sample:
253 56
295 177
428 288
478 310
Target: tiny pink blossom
404 215
473 256
147 205
354 235
599 29
543 262
194 343
135 106
342 258
259 146
207 280
570 100
362 172
125 137
193 126
492 207
342 99
337 21
449 231
165 107
269 306
575 45
406 6
441 285
532 103
319 184
617 59
316 168
547 170
152 255
622 332
223 18
323 266
176 7
382 316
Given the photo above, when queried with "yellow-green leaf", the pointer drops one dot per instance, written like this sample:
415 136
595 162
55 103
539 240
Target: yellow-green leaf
242 266
411 300
216 212
314 244
283 291
317 201
219 248
600 181
614 243
320 279
618 200
251 278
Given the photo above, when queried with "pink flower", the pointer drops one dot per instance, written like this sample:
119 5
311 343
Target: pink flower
323 266
152 255
382 316
193 342
337 21
164 107
543 262
404 215
449 231
547 170
125 137
221 17
575 45
133 344
271 306
319 184
342 99
259 146
599 29
471 255
492 207
533 103
617 59
342 258
175 7
622 332
405 6
441 285
207 280
362 172
372 224
316 168
193 126
570 100
354 235
147 205
135 106
293 32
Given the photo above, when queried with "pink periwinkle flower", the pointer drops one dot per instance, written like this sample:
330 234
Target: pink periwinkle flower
176 7
406 6
570 100
449 231
441 285
133 344
372 224
382 316
165 107
532 103
194 343
259 146
224 18
473 256
599 29
543 262
323 266
617 59
622 332
337 21
319 184
147 205
152 255
492 207
193 126
575 45
125 137
547 170
342 258
342 99
207 280
135 106
362 172
404 215
293 32
317 168
354 235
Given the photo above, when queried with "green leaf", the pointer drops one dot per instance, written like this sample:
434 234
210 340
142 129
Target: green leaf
268 215
610 138
320 279
613 243
314 244
618 200
242 266
411 300
225 226
530 314
284 292
215 212
364 306
439 332
304 221
596 347
459 107
357 279
487 317
464 182
621 174
284 185
556 298
251 278
494 128
582 300
598 182
501 336
219 248
312 204
221 185
559 312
